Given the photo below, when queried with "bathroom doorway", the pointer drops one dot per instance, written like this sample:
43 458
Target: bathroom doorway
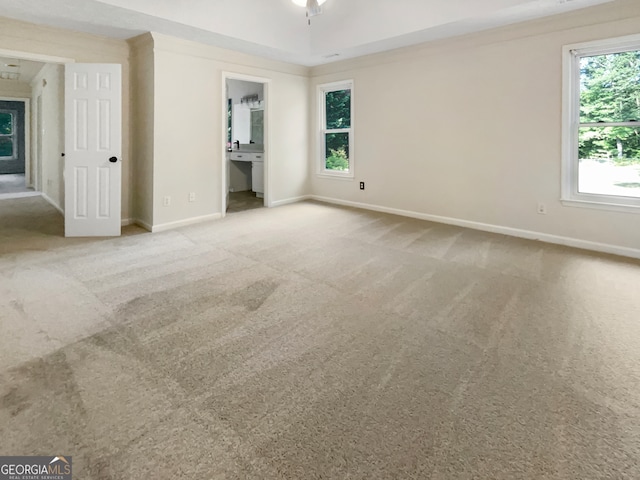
245 172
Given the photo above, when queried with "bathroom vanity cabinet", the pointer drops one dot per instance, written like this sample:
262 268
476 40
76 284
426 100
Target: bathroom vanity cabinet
257 168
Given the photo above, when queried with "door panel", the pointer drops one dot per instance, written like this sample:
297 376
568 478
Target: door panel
81 197
93 137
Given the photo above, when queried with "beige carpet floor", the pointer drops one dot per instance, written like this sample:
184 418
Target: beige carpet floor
316 342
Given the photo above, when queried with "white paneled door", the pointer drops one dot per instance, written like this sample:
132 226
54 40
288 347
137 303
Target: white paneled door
93 149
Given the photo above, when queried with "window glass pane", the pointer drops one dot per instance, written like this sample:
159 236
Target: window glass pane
257 126
610 88
337 148
609 161
6 147
338 109
6 123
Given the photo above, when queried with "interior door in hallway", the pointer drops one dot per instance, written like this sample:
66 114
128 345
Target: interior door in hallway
93 149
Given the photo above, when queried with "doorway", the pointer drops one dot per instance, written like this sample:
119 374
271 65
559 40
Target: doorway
14 148
245 172
30 112
34 81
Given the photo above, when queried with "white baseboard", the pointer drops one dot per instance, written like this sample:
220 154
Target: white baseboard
287 201
144 225
5 196
125 222
514 232
52 202
183 223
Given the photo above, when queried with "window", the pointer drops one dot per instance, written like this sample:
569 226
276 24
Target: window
336 129
601 156
8 150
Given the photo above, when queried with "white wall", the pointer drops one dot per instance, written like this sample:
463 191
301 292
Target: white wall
49 85
189 109
470 128
143 114
13 89
241 88
39 40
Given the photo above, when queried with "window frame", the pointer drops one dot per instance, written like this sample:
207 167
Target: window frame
571 55
13 136
322 90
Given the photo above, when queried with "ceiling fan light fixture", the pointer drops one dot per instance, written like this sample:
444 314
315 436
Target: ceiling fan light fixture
313 8
303 3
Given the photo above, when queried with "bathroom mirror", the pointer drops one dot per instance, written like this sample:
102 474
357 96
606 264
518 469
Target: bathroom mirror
248 124
246 112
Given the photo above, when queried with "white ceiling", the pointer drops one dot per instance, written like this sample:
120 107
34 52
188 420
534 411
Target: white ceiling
278 29
24 69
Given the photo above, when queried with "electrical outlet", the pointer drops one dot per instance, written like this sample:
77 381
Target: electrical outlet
166 201
192 197
542 209
361 185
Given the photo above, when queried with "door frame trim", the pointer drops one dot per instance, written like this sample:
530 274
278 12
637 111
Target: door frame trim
266 84
34 57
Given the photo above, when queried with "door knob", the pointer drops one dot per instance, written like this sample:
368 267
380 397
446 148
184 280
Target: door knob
113 159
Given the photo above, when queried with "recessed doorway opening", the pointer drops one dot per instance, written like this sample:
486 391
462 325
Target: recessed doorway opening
245 172
31 130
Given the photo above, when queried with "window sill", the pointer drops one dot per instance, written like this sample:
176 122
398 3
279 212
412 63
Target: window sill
337 176
612 207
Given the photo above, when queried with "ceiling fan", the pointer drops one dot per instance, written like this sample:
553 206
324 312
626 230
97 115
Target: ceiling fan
313 7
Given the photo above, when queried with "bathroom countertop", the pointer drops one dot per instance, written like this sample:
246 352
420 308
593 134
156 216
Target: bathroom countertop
249 148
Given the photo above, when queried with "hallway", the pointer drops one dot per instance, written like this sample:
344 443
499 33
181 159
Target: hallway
11 184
